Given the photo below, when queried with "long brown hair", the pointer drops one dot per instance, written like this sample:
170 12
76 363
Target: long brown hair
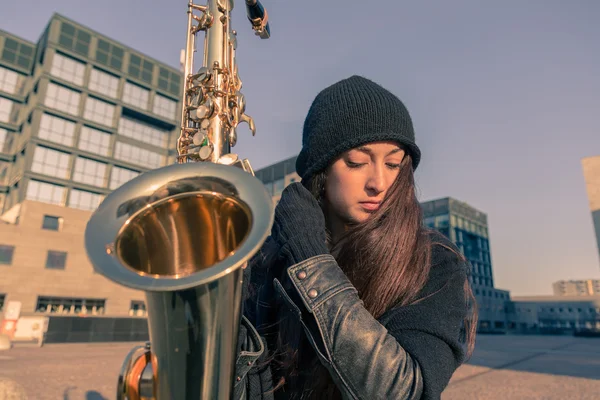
387 258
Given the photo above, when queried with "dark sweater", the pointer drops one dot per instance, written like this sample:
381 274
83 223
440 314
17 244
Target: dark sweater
430 330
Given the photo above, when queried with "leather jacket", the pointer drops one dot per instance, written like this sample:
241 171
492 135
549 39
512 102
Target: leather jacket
363 358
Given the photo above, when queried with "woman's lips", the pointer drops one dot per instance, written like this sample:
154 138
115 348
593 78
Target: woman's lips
370 205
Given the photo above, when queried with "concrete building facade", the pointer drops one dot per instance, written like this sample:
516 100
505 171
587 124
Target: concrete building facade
591 175
586 287
43 265
80 114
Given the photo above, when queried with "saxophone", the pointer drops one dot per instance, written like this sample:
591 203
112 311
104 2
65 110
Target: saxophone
183 233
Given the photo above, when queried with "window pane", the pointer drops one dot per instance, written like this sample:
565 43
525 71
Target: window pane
50 162
143 132
119 176
45 192
136 96
5 146
84 200
164 107
8 80
6 106
6 254
51 223
63 99
89 171
69 305
56 259
94 141
99 111
136 155
57 130
68 69
104 83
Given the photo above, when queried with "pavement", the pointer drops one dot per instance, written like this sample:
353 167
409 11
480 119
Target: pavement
502 367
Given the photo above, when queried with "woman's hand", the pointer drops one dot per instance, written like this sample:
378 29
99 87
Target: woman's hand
299 225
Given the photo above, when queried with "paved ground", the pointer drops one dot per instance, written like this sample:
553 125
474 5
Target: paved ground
503 367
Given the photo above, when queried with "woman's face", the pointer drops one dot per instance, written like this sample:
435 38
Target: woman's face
358 181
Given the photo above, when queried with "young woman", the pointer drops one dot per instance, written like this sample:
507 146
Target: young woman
351 296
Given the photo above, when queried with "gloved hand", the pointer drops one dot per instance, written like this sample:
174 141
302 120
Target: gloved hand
299 225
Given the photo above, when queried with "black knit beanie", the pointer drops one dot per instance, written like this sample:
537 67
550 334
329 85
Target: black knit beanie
350 113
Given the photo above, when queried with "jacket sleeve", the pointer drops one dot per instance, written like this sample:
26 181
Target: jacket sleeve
252 375
364 360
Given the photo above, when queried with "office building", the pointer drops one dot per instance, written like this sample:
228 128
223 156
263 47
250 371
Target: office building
587 287
80 114
591 174
467 227
277 176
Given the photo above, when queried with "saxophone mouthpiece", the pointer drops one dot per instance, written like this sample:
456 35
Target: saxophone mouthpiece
259 18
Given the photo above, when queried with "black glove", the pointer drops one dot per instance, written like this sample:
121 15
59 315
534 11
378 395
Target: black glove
299 225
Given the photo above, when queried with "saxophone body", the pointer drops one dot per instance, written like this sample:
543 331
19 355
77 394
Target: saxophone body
183 233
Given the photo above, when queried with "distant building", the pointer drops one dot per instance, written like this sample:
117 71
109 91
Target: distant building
587 287
591 174
277 176
553 314
467 227
80 114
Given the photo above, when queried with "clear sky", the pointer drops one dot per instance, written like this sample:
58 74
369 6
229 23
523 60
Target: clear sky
505 99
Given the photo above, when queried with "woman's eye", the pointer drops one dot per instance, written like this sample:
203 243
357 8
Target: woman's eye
352 164
393 166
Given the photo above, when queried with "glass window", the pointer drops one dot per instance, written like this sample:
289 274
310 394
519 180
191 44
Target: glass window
19 54
109 54
3 142
137 308
74 39
84 200
169 81
140 68
63 99
50 162
6 107
66 305
104 83
57 130
136 155
429 222
45 192
136 95
51 223
56 259
89 171
94 141
164 107
119 176
441 221
99 111
6 254
8 80
68 69
143 132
